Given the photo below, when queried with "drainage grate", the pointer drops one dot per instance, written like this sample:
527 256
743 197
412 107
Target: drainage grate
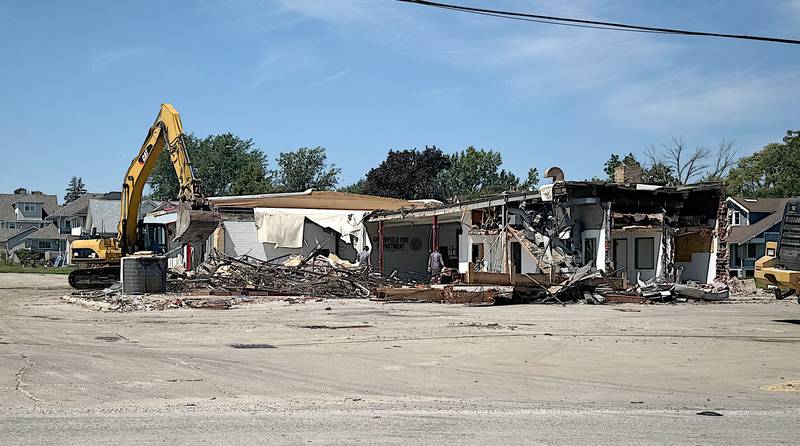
253 346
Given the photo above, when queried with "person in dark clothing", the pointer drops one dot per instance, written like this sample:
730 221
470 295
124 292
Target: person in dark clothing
435 264
364 257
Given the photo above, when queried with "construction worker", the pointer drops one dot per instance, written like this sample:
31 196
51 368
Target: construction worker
435 265
364 258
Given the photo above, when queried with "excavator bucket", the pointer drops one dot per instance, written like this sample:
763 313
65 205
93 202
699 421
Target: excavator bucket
195 224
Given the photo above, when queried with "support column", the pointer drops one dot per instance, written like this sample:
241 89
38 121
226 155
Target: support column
435 233
380 246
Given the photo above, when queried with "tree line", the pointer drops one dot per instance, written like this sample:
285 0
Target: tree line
230 165
773 171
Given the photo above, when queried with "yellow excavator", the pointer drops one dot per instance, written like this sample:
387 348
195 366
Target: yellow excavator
98 259
779 269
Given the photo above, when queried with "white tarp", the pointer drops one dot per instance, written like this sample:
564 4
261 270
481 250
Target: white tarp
284 227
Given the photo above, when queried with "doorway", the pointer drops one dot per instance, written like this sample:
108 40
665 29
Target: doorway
621 254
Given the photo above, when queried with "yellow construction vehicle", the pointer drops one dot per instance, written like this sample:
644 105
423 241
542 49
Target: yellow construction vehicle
779 269
98 259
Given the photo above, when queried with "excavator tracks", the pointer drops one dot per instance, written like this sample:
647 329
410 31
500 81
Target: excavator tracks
94 278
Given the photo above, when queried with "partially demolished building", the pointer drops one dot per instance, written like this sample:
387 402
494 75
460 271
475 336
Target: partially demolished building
635 231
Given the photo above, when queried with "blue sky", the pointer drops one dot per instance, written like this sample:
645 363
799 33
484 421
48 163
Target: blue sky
82 81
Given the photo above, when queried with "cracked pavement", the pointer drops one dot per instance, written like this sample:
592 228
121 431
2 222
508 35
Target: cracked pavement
404 373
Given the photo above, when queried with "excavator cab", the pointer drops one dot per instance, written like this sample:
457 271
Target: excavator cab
152 237
779 269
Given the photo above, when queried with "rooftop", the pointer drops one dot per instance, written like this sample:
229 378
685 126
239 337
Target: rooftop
49 232
81 205
8 201
761 205
314 199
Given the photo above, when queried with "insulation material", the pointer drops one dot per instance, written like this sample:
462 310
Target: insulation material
692 243
284 227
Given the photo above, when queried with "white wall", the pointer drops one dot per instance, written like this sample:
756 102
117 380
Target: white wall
241 237
698 268
631 236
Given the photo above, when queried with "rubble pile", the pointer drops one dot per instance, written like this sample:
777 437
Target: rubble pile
315 275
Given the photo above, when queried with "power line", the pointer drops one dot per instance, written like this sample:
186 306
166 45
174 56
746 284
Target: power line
564 21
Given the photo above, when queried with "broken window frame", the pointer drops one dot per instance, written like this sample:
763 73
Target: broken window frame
638 253
590 250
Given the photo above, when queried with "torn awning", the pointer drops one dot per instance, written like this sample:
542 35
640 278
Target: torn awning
284 227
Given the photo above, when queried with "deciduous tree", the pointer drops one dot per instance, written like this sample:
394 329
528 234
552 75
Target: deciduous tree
475 172
409 174
225 164
305 168
774 171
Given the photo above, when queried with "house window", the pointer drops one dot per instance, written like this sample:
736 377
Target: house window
751 250
645 252
12 226
589 250
28 207
734 217
771 252
44 244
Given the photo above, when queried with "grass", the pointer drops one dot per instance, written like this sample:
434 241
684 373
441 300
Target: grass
34 269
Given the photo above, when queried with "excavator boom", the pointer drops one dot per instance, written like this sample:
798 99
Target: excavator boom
196 222
99 258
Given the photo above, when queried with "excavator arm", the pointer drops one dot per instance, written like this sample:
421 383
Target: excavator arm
165 133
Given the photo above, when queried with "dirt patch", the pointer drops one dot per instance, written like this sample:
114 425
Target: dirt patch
791 386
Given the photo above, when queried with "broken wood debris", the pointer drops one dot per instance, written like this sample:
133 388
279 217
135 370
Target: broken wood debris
320 276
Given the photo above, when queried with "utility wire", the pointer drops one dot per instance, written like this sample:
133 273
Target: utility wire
564 21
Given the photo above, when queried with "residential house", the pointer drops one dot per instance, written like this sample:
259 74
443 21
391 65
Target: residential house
64 225
49 241
22 214
11 239
71 218
752 222
91 215
22 211
102 217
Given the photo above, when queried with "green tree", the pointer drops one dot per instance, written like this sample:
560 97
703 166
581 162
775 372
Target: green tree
75 189
533 179
774 171
359 187
409 174
305 168
21 191
253 177
225 164
614 161
659 173
475 172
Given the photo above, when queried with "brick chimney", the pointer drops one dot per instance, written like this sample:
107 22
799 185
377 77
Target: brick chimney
628 174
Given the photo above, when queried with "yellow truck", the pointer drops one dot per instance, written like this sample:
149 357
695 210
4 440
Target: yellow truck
779 269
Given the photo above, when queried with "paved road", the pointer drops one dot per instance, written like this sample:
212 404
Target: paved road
410 373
